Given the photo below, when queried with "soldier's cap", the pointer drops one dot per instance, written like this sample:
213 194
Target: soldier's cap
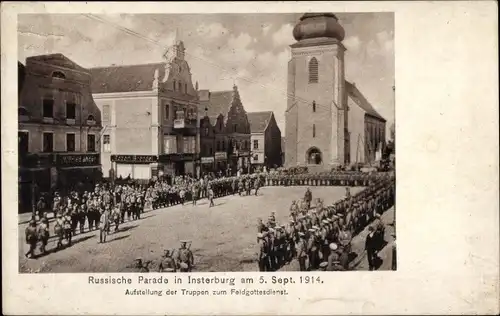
315 227
324 221
301 234
169 270
370 228
312 230
323 264
333 246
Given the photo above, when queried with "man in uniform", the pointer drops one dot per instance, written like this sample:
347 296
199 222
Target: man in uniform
59 230
263 252
31 238
302 251
185 258
103 225
167 263
308 198
256 185
43 234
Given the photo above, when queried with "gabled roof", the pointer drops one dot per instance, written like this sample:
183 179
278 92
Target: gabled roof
356 95
259 121
58 59
220 103
125 78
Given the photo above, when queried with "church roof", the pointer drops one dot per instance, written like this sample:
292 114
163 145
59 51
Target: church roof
356 95
125 78
259 120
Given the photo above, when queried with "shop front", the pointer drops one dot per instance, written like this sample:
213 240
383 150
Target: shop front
207 165
176 164
221 163
137 167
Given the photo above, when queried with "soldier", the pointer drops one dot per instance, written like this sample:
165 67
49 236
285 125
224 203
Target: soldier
194 193
263 252
345 238
333 259
68 233
185 258
211 196
325 250
302 251
103 226
256 185
291 237
308 198
115 216
323 266
140 266
167 263
59 230
260 226
31 238
43 234
371 248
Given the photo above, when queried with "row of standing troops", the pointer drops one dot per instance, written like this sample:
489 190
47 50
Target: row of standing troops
326 178
323 235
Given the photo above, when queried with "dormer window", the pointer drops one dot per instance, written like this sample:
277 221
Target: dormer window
90 120
58 74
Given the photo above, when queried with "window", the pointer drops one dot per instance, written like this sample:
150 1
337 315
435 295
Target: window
91 118
22 112
91 143
48 142
169 144
105 113
106 141
234 127
48 108
179 86
175 85
185 88
255 157
314 106
70 110
23 142
256 144
167 111
314 130
206 131
313 70
70 142
58 74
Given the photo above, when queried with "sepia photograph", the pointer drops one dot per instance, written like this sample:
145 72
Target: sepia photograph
206 142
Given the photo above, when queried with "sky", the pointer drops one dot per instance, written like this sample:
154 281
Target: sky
249 50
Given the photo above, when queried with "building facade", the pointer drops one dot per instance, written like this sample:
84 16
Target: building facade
59 126
328 121
231 129
265 140
149 117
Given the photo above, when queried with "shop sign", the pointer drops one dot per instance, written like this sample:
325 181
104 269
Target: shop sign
134 158
207 159
220 155
68 160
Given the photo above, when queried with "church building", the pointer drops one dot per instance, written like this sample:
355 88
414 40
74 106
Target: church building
328 120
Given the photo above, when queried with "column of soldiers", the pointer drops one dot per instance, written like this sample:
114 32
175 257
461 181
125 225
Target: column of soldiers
320 237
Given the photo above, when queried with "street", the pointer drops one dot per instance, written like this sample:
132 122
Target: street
223 237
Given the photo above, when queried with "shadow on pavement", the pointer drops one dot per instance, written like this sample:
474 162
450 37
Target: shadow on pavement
118 238
54 250
126 229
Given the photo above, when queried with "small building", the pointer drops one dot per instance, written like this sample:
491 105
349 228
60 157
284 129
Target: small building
59 127
231 129
265 140
149 117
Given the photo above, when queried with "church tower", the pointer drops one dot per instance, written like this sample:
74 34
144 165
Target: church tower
316 120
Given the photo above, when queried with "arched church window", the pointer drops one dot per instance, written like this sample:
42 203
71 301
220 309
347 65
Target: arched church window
58 74
314 156
179 86
314 106
175 85
314 130
90 118
313 70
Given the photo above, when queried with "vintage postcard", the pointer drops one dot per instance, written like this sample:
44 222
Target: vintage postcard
218 158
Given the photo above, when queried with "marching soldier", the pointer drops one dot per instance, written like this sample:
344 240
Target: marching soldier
31 238
308 198
67 228
256 185
104 225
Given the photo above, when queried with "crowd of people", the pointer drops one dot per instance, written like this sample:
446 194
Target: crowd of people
107 206
320 237
313 235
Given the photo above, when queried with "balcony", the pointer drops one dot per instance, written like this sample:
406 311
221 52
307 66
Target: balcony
184 123
61 159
